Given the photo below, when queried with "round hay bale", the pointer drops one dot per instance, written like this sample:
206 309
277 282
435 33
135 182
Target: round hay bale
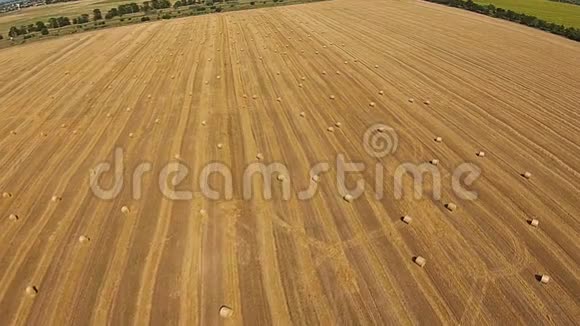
527 175
302 114
281 177
438 139
226 312
109 115
74 132
63 125
278 73
255 97
6 195
427 102
260 156
83 239
31 290
377 66
13 217
43 134
125 210
219 77
451 206
245 96
338 72
411 100
202 212
434 161
317 52
156 121
407 219
420 261
372 104
131 135
13 132
128 109
330 129
315 178
544 278
203 123
324 72
303 78
338 125
300 85
149 96
480 154
332 97
381 93
534 222
346 62
348 198
279 99
172 77
56 199
177 156
220 145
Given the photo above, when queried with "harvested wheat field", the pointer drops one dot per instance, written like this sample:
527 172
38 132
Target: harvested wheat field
247 87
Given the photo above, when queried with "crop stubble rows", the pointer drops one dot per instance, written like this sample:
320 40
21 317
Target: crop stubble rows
495 87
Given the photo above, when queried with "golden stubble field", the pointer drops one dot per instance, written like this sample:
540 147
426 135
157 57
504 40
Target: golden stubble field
183 91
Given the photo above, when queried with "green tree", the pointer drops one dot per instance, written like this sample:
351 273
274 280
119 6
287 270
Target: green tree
53 23
40 25
13 31
145 7
113 12
97 15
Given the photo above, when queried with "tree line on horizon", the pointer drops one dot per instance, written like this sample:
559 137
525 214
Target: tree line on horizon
124 9
573 2
531 21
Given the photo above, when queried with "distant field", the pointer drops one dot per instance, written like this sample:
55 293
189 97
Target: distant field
555 12
70 9
43 13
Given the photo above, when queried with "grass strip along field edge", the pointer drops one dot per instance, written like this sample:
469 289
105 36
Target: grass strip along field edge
531 21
